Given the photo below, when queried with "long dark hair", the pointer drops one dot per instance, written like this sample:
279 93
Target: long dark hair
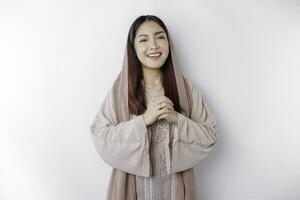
136 91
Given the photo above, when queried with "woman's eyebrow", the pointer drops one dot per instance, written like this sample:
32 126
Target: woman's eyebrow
148 34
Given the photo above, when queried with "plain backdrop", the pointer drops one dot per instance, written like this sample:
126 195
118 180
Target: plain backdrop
59 58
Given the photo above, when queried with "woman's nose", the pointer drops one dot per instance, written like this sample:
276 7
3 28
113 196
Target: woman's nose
153 44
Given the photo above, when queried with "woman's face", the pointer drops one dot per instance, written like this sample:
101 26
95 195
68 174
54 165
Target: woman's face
151 45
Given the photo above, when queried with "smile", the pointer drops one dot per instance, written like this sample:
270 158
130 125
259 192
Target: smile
154 55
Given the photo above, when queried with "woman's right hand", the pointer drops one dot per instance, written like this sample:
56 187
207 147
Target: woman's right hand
156 107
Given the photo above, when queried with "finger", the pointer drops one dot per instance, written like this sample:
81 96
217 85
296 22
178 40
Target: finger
163 111
170 107
164 105
162 100
163 116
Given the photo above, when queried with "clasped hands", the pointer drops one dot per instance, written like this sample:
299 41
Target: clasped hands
160 108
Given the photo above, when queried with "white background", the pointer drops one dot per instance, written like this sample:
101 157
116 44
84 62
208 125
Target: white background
59 58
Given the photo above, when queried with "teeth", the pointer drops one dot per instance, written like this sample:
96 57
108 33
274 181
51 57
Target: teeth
154 55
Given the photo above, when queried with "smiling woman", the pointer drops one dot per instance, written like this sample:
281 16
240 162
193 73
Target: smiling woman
151 45
154 125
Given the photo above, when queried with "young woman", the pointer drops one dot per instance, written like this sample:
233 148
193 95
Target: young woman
154 125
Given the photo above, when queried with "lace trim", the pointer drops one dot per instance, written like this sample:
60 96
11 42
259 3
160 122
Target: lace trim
158 186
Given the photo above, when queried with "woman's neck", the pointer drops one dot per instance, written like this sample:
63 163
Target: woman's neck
152 78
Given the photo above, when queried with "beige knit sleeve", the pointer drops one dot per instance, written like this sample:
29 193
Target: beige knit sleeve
194 137
122 145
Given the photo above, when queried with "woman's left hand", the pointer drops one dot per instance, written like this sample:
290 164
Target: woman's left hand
171 116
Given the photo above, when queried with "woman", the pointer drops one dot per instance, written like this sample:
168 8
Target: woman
154 125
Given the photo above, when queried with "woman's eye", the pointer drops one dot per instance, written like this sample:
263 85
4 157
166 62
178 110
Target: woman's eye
144 40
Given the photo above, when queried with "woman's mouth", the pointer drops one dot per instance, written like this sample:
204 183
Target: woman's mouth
154 55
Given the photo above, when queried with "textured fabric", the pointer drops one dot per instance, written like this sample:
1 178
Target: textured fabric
123 142
158 185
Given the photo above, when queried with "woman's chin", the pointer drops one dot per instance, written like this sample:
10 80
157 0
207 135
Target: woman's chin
153 66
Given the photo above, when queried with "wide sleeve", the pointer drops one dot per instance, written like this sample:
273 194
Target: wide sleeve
195 137
123 145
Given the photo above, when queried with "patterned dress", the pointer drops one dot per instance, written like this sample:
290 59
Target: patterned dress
158 186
